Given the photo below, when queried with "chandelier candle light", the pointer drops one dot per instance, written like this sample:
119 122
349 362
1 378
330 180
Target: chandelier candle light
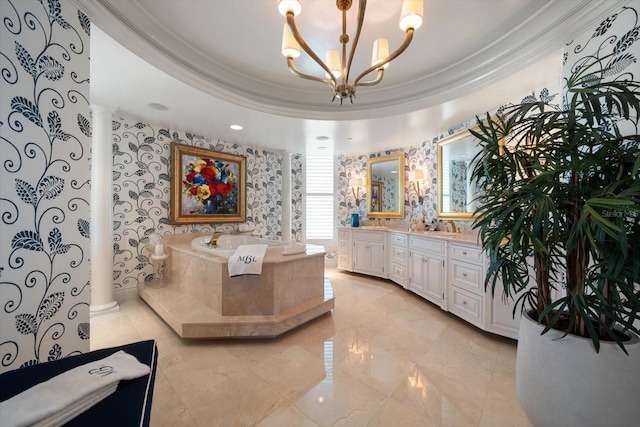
336 70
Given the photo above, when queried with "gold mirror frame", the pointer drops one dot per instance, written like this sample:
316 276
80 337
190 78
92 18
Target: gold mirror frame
394 162
461 141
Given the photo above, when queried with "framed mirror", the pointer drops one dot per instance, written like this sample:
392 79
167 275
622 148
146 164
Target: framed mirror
456 191
385 186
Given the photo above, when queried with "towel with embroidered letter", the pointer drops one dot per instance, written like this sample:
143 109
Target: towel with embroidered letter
247 259
63 397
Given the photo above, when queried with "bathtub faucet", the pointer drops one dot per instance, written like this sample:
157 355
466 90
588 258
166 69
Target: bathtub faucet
214 239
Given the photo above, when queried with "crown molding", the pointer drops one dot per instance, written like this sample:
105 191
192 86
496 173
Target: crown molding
548 31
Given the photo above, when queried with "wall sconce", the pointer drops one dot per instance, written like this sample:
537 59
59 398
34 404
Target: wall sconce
355 184
415 177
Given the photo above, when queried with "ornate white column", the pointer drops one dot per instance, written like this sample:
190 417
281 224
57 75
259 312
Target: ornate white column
101 258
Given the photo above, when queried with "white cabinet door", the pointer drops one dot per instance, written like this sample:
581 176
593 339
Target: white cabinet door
377 259
501 320
434 286
427 276
368 258
417 270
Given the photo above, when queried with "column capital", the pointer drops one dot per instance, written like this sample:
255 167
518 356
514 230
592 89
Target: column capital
102 109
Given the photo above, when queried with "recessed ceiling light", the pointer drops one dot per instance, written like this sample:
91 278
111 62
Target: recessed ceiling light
236 127
159 107
322 138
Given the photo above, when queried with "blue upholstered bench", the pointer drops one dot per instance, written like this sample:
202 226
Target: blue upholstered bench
130 405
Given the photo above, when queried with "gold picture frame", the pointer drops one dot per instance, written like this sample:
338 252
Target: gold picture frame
206 186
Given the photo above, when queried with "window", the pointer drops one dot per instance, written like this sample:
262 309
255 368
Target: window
319 197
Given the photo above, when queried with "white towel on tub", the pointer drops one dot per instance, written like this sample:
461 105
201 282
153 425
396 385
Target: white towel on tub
67 395
247 259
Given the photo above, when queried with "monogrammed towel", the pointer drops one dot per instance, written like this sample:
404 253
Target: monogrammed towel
247 259
64 397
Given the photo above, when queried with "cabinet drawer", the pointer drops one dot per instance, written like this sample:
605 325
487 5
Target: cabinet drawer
344 234
344 246
398 270
369 236
399 254
466 305
468 253
468 276
430 245
344 261
398 239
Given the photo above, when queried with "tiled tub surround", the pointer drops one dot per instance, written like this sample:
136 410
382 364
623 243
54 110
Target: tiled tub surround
198 299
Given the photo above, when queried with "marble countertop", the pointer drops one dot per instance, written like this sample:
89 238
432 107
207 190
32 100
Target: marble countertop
470 238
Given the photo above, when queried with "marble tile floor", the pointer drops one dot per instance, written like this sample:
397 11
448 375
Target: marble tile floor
384 357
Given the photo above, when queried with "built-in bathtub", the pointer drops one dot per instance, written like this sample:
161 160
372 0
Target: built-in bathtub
198 299
227 244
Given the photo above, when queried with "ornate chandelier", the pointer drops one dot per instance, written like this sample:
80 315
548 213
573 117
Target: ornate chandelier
337 70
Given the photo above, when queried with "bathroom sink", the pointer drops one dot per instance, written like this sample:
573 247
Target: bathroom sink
373 227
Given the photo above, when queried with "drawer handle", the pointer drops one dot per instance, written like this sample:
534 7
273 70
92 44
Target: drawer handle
464 274
464 303
464 252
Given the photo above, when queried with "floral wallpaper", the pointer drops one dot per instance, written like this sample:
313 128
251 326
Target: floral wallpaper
44 182
141 184
616 35
297 216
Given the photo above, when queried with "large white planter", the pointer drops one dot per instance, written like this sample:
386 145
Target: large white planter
564 382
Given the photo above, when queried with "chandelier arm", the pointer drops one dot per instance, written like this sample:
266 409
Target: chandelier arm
374 81
361 10
407 40
310 52
298 73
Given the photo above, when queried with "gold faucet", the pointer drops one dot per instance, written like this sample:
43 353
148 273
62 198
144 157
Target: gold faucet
214 239
453 225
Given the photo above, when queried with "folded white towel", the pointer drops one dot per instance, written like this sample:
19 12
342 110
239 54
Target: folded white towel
247 259
72 411
63 397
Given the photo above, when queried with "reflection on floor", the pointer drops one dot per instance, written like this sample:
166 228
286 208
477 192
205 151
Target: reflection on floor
384 357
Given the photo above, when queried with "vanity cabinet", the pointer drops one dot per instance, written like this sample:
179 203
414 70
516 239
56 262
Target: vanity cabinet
398 271
447 270
427 273
368 253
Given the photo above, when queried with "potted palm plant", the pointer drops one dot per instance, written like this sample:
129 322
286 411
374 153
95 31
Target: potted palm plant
560 222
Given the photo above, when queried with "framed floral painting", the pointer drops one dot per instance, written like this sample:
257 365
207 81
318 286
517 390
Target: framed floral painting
207 186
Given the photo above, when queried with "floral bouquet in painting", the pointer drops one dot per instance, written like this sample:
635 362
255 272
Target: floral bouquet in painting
212 184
